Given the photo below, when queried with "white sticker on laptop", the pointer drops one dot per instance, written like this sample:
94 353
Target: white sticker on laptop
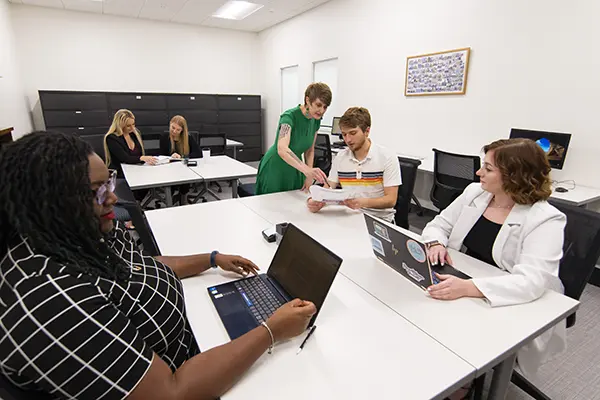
416 250
377 245
413 273
381 231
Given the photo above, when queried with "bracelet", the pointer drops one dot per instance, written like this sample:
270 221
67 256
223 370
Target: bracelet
213 259
433 244
272 337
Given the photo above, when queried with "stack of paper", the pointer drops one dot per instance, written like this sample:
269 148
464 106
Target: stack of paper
330 196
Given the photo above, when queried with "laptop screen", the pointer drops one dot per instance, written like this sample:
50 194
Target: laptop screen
303 267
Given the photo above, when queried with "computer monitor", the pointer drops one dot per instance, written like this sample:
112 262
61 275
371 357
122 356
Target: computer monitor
335 127
554 144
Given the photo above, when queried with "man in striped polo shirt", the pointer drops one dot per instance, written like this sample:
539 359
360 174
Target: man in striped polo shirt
370 171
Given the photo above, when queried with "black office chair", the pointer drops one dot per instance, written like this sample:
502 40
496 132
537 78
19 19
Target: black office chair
581 251
408 169
127 201
97 143
323 157
452 173
151 143
8 391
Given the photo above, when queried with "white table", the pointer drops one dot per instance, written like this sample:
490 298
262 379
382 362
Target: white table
469 327
361 349
153 176
222 168
580 196
234 144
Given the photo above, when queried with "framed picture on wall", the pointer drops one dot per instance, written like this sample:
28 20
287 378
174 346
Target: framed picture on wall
444 72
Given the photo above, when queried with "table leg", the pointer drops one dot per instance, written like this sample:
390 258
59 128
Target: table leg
234 187
169 196
235 152
501 378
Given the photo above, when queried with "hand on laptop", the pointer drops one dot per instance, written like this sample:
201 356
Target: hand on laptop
438 254
451 288
315 206
236 264
291 319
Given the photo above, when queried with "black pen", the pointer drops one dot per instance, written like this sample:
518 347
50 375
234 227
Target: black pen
312 329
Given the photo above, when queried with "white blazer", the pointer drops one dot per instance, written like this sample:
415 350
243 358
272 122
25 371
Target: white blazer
529 246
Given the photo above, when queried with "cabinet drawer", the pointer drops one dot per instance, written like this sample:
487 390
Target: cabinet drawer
83 130
73 101
191 102
137 101
248 154
151 118
241 102
236 117
241 129
197 116
75 118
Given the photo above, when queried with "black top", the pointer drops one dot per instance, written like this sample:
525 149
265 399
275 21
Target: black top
86 337
480 240
120 152
166 150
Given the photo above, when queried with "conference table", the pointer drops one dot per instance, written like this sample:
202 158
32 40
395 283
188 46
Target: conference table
214 168
472 331
362 349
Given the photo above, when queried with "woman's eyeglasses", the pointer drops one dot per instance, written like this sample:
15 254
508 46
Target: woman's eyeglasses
108 186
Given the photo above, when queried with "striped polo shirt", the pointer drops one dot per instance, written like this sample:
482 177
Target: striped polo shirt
368 177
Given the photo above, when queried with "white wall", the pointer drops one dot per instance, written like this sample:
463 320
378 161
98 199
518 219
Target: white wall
533 65
65 50
13 109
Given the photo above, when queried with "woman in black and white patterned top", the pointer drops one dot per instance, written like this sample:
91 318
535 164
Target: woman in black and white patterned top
83 313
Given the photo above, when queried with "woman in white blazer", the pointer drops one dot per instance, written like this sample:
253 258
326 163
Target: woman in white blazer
505 221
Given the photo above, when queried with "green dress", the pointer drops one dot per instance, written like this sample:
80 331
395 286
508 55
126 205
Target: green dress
274 174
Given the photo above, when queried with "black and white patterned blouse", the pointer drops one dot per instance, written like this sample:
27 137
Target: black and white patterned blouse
85 337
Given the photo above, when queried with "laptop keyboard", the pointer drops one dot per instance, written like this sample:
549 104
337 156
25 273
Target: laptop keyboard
258 297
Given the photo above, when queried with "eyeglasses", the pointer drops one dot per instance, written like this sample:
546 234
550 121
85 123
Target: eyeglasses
108 186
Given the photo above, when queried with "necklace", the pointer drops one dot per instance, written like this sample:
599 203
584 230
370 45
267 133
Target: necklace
496 205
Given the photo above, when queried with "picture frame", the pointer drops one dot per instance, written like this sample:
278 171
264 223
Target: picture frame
440 73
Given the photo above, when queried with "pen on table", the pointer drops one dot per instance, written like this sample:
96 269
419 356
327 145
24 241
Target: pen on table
312 329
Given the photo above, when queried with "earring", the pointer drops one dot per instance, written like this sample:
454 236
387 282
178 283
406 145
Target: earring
307 113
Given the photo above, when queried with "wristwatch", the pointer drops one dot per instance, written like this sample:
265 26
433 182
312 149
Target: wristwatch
432 244
213 259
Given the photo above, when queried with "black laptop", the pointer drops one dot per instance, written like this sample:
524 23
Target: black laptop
302 268
405 254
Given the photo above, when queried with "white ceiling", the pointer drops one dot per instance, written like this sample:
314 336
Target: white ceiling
195 12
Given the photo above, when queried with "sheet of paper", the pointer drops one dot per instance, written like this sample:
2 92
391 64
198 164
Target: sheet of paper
335 196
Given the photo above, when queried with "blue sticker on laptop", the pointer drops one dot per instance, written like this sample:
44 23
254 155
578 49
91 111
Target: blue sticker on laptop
377 245
416 250
381 231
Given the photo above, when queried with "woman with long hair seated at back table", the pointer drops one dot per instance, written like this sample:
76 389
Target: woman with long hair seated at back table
84 314
178 143
505 221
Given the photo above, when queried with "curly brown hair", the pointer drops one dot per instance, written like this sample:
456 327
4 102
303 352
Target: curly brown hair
356 117
524 168
318 90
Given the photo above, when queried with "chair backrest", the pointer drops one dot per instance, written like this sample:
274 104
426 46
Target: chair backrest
97 143
581 250
151 143
216 142
127 201
408 169
323 157
8 391
452 173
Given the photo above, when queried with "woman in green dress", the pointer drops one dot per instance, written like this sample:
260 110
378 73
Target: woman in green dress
282 169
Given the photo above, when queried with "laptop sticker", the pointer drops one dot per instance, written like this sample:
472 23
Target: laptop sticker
381 231
413 273
394 249
377 245
416 251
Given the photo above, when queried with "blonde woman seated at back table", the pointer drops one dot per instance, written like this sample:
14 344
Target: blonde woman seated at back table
505 221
